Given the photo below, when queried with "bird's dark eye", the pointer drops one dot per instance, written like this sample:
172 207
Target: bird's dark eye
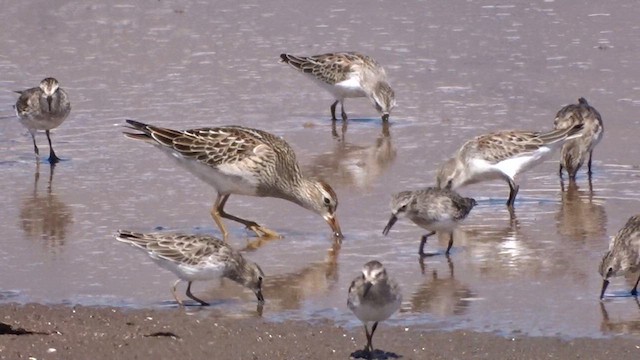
609 271
403 208
327 201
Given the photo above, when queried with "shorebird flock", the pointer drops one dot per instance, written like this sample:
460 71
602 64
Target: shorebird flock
237 160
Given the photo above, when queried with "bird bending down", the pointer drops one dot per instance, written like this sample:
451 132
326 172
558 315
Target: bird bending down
347 75
575 151
243 161
196 257
373 297
43 108
502 155
432 209
623 256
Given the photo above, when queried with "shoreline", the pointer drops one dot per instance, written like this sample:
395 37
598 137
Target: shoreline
79 332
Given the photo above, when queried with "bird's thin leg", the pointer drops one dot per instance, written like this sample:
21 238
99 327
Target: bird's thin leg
560 172
189 294
344 114
251 225
35 146
333 110
368 347
175 295
373 329
423 241
52 154
589 164
513 191
450 243
215 214
634 291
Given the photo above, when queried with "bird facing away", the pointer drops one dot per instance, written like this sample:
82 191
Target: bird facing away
433 209
243 161
575 151
347 75
503 155
373 297
623 256
196 257
43 108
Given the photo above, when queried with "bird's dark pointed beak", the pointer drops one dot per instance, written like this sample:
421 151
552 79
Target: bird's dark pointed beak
259 296
332 220
49 100
385 117
605 283
367 287
389 224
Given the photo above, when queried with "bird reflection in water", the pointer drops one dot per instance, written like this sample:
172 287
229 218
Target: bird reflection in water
622 327
289 291
441 296
354 165
44 216
579 216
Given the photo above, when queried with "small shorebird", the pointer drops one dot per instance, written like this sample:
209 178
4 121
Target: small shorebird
243 161
196 257
373 297
503 155
347 75
575 151
432 209
43 108
623 256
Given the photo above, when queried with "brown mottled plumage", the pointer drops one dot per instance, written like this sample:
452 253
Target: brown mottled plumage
244 161
623 256
502 155
347 75
43 108
196 257
373 297
575 151
433 209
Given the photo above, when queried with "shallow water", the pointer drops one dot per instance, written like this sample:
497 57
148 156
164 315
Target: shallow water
458 69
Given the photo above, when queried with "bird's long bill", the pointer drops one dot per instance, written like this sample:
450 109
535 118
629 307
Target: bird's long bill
259 296
49 99
367 287
605 283
332 220
389 224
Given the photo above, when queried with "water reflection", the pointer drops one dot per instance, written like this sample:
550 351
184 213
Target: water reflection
44 216
579 217
441 296
354 165
626 326
290 291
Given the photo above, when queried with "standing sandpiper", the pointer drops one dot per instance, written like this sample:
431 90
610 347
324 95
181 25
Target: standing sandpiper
347 75
433 209
244 161
373 297
623 256
43 108
196 257
502 155
575 151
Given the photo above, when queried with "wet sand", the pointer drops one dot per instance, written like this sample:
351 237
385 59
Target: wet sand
58 332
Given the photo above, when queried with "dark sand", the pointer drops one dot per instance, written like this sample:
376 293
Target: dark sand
59 332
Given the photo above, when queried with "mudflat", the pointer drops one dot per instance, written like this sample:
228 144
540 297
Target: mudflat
37 331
